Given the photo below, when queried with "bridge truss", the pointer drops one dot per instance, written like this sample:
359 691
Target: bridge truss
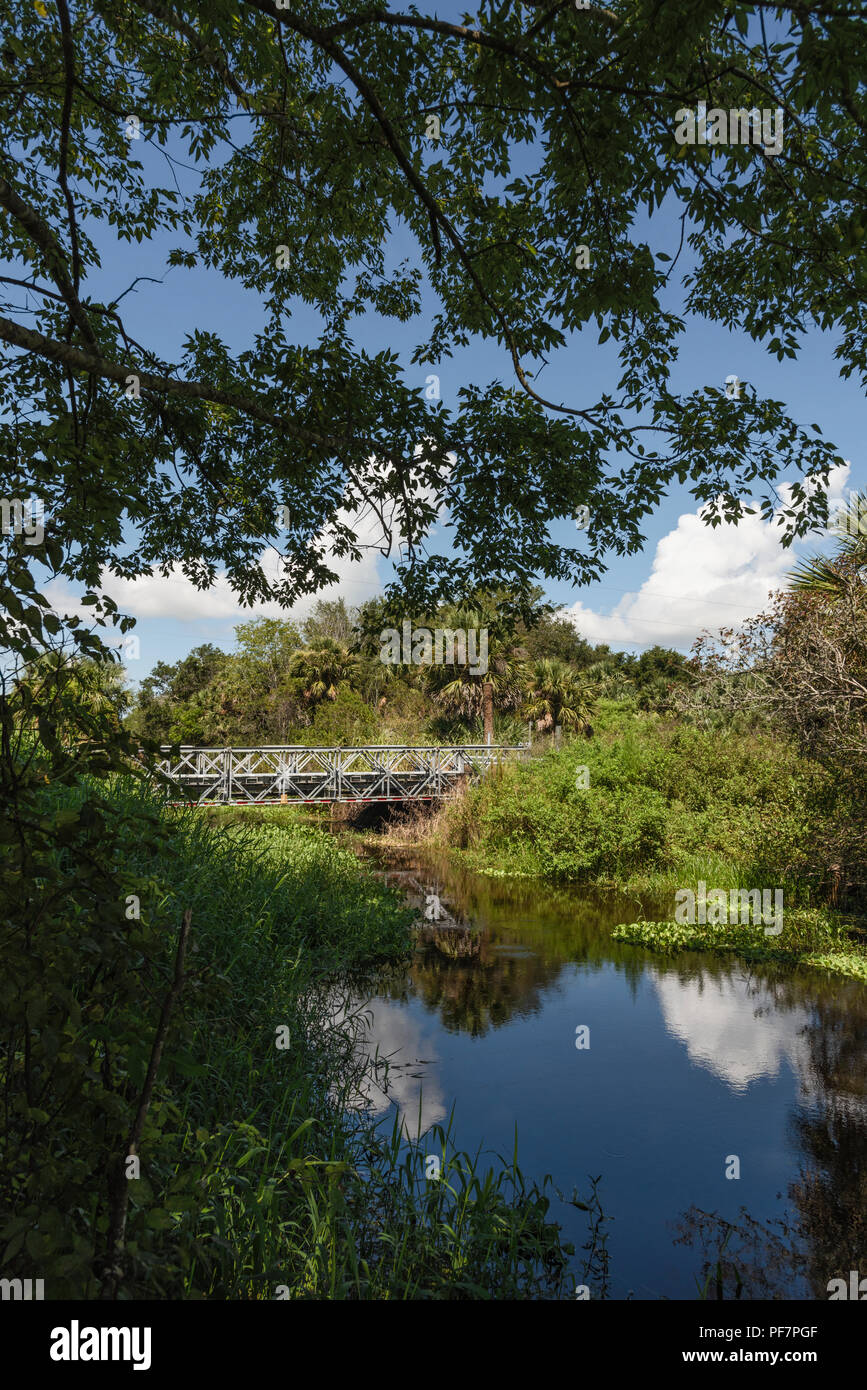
299 775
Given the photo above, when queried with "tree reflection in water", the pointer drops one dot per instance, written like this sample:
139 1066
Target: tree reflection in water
827 1236
498 947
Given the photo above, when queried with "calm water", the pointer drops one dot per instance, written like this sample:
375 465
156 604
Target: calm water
691 1061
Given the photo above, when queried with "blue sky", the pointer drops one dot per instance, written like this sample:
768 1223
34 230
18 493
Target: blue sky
687 577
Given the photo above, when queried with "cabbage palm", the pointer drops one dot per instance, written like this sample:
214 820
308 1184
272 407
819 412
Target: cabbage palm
557 695
321 670
470 694
835 574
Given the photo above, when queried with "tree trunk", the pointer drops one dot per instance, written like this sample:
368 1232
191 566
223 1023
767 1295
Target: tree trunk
488 707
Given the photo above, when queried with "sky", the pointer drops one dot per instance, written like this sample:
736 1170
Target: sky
688 577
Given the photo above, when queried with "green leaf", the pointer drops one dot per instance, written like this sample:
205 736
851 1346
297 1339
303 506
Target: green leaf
159 1220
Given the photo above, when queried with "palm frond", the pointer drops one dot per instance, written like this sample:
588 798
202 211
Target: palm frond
817 575
822 575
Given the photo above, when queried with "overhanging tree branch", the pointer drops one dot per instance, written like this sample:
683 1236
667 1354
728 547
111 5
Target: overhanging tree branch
67 355
435 212
55 258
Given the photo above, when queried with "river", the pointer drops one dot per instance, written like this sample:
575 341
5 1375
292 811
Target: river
704 1090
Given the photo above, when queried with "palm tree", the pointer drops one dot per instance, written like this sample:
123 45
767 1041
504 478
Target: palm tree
469 694
606 680
556 695
82 700
835 574
321 670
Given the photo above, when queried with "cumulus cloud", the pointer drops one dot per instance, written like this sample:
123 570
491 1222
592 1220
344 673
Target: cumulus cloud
701 578
732 1027
413 1085
174 596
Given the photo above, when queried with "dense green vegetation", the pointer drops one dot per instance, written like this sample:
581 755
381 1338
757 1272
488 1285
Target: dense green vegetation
324 682
663 800
259 1177
742 769
653 805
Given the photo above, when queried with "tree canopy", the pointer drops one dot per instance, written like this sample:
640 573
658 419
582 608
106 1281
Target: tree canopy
522 157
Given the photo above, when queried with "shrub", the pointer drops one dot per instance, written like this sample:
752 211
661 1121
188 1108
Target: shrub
660 798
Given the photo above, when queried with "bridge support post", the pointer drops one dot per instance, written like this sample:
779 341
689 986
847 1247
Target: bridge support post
488 707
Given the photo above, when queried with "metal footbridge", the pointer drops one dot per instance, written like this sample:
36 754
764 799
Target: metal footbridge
292 775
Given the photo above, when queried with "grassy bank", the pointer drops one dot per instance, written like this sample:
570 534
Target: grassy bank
652 807
259 1178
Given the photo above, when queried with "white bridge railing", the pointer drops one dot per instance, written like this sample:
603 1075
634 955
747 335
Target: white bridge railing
296 774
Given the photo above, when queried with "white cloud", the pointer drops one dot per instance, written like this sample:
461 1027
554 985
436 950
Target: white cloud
392 1033
701 577
175 596
733 1027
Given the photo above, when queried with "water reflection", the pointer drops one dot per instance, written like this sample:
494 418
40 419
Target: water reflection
399 1040
731 1026
691 1059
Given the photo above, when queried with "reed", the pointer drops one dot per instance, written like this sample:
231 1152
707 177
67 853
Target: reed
270 1179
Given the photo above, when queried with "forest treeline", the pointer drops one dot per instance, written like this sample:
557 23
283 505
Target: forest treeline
322 681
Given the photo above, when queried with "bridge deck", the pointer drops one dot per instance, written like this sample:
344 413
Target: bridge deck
298 775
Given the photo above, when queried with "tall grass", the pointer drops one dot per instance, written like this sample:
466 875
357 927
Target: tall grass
269 1181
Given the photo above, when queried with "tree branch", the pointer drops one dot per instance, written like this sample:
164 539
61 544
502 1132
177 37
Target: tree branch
91 362
435 212
55 258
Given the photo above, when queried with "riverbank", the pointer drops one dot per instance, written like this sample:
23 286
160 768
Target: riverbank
259 1175
651 808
